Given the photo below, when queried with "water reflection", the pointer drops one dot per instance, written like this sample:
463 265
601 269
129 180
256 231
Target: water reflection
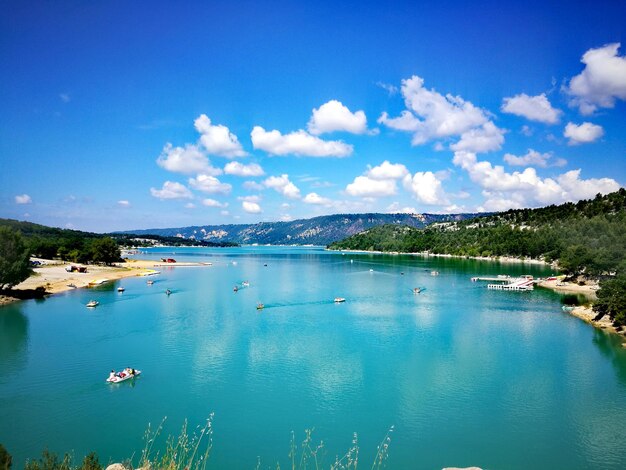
610 347
13 339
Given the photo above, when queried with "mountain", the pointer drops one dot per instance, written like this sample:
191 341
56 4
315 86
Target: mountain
321 230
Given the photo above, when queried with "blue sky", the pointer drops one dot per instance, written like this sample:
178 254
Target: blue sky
121 115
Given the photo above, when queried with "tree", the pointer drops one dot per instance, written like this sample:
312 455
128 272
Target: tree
612 300
105 250
14 258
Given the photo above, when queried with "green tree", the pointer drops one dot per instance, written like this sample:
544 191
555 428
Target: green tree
14 258
612 300
5 459
105 250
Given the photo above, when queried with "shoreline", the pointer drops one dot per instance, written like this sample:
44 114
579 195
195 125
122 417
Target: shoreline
426 254
53 277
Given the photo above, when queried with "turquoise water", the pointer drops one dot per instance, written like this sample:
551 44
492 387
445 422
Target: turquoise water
467 376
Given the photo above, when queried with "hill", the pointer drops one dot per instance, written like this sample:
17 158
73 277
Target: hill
316 231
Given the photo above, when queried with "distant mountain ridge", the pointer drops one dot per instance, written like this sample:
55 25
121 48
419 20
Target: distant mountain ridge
321 230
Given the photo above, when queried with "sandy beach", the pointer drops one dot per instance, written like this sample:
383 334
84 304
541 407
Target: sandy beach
53 276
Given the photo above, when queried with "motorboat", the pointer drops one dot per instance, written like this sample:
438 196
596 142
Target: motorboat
168 292
93 303
339 300
126 374
235 289
417 290
245 284
260 306
150 282
121 289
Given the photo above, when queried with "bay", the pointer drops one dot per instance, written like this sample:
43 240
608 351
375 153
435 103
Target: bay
466 376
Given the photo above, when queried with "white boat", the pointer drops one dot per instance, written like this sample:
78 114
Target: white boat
150 282
567 308
417 290
245 284
121 289
338 300
92 303
260 306
122 376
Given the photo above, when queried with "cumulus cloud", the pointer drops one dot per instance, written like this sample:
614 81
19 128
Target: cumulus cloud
282 185
187 160
213 203
334 116
430 115
314 198
387 170
239 169
485 138
364 186
584 133
217 139
297 143
23 199
602 81
534 158
504 190
391 89
534 108
426 187
251 207
253 198
123 203
209 184
172 190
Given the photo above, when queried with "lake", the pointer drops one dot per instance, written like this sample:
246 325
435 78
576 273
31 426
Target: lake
467 376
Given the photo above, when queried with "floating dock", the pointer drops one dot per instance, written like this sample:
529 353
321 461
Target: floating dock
524 283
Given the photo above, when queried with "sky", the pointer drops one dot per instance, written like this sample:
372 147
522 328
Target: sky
124 115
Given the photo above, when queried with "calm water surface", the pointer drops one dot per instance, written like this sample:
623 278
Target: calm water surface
467 376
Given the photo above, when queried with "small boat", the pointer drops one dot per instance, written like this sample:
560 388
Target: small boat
93 303
245 284
168 292
121 289
338 300
434 273
150 282
72 285
260 306
417 290
123 376
568 308
371 270
235 289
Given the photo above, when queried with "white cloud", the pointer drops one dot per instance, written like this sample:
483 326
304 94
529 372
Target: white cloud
123 203
172 190
365 186
391 89
486 138
297 143
253 186
395 208
387 170
282 185
584 133
314 198
209 184
334 116
224 213
533 158
217 139
441 116
188 160
285 218
65 97
535 108
526 130
602 81
526 189
23 199
426 188
213 203
239 169
190 205
251 207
